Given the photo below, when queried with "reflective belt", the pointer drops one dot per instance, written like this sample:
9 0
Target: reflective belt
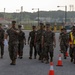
72 39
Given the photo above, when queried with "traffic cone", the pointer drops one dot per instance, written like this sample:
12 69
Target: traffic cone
67 54
59 61
51 71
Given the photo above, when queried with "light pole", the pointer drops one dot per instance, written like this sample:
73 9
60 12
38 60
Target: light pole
21 14
65 12
4 13
38 14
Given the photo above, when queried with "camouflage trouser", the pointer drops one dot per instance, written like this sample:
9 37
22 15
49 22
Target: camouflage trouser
20 48
2 48
31 50
72 52
13 48
43 53
49 51
39 49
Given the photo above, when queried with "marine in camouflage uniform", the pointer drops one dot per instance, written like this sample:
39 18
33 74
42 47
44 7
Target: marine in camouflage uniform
64 42
39 34
72 45
1 41
31 42
60 39
22 41
48 41
13 43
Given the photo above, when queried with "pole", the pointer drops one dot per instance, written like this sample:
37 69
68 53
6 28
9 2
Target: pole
4 13
65 14
21 14
38 16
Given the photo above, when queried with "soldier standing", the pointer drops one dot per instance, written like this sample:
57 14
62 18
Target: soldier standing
22 41
1 40
48 41
13 42
31 42
60 39
64 42
72 44
38 39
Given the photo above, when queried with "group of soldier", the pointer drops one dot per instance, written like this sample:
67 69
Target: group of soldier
16 41
67 40
42 40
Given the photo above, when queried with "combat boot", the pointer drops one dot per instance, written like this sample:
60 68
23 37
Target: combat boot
51 59
74 61
34 57
13 62
47 62
71 59
30 57
65 57
1 56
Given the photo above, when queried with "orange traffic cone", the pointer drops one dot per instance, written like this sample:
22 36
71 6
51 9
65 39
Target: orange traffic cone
67 54
51 71
59 61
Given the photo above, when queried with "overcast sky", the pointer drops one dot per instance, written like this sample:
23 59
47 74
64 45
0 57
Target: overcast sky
13 5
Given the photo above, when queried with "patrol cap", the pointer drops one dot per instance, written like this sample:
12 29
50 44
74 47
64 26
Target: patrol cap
13 22
64 28
61 29
47 24
73 27
33 26
0 24
19 26
41 24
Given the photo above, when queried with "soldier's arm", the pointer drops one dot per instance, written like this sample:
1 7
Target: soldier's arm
35 38
24 38
6 34
54 39
29 37
15 30
42 43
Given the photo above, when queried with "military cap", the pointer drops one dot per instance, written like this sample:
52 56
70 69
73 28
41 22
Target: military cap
0 24
73 27
64 28
47 24
33 26
41 24
61 28
19 26
13 21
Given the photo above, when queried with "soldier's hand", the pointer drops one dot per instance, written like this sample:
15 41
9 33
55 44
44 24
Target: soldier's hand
28 43
54 45
72 46
25 43
42 45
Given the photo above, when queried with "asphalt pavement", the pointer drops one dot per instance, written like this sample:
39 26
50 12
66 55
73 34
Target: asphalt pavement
26 66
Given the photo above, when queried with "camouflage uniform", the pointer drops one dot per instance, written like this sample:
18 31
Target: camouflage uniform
72 49
48 44
39 49
64 43
31 38
21 38
13 43
1 42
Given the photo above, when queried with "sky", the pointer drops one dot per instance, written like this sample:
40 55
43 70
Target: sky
43 5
